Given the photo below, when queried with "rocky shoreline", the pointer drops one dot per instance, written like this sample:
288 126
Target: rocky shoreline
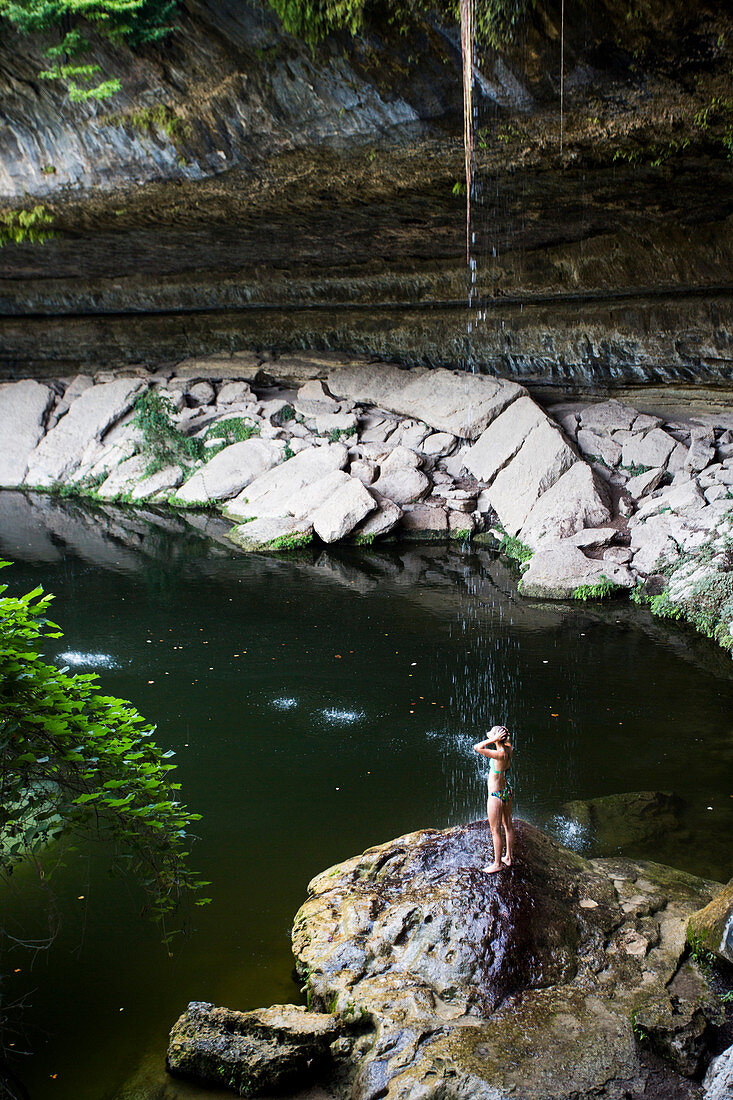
588 499
425 977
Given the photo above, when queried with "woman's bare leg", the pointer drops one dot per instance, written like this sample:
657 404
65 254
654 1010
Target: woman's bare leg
509 830
494 813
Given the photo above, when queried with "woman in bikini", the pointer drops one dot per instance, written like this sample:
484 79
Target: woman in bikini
497 747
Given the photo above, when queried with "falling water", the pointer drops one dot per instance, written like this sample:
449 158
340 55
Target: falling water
467 50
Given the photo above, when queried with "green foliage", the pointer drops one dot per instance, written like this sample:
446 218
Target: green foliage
288 451
599 591
164 444
517 551
340 433
290 542
311 20
21 226
717 119
360 539
149 120
73 760
232 430
654 155
137 21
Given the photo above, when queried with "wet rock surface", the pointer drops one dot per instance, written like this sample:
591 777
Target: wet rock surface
559 978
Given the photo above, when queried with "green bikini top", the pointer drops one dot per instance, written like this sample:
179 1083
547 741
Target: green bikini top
498 771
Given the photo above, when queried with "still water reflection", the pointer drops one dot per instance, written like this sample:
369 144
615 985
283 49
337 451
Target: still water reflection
318 704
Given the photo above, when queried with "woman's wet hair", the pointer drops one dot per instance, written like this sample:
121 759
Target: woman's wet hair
498 733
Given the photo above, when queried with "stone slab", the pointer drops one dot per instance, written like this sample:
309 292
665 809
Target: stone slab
556 572
541 461
456 402
576 501
275 493
23 407
501 440
344 508
230 471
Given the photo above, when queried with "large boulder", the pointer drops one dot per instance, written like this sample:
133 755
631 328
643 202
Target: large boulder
23 407
343 510
276 493
268 1051
272 533
456 402
718 1083
230 471
649 450
91 414
544 981
712 927
559 570
541 461
576 501
614 822
501 440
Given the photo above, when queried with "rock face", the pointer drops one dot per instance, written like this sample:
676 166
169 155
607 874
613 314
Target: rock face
712 927
60 451
23 406
230 471
554 979
267 1051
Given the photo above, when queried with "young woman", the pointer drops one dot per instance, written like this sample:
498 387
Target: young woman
497 747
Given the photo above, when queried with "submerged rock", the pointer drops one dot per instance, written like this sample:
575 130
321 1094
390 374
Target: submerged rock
434 980
617 821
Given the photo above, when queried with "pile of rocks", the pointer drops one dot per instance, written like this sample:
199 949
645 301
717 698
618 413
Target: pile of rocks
590 497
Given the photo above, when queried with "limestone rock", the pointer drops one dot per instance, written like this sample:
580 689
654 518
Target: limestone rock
650 450
577 500
339 514
75 389
644 422
232 393
621 555
701 452
555 572
158 484
617 821
270 1050
379 522
230 471
594 538
200 393
608 416
593 445
438 444
502 439
424 521
401 482
541 461
272 533
23 407
273 493
682 499
645 483
449 401
313 399
91 414
718 1082
455 464
364 470
652 545
712 927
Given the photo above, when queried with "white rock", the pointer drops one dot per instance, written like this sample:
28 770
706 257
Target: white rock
501 440
652 545
90 415
680 498
375 428
449 401
555 572
200 393
273 409
676 460
233 393
603 447
335 422
651 450
344 508
460 523
365 471
715 492
124 477
575 501
645 422
718 1081
402 484
273 493
170 477
310 499
75 389
411 434
608 416
23 407
700 454
313 399
230 471
621 555
399 458
379 522
272 533
438 444
594 538
541 461
644 483
455 465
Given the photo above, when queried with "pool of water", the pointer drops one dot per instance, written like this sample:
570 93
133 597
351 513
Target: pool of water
320 703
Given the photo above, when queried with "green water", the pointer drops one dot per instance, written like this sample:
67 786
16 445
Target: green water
319 704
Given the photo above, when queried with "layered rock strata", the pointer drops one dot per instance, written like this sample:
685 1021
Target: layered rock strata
559 978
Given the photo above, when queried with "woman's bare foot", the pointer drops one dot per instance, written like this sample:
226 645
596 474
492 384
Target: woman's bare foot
506 860
492 869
